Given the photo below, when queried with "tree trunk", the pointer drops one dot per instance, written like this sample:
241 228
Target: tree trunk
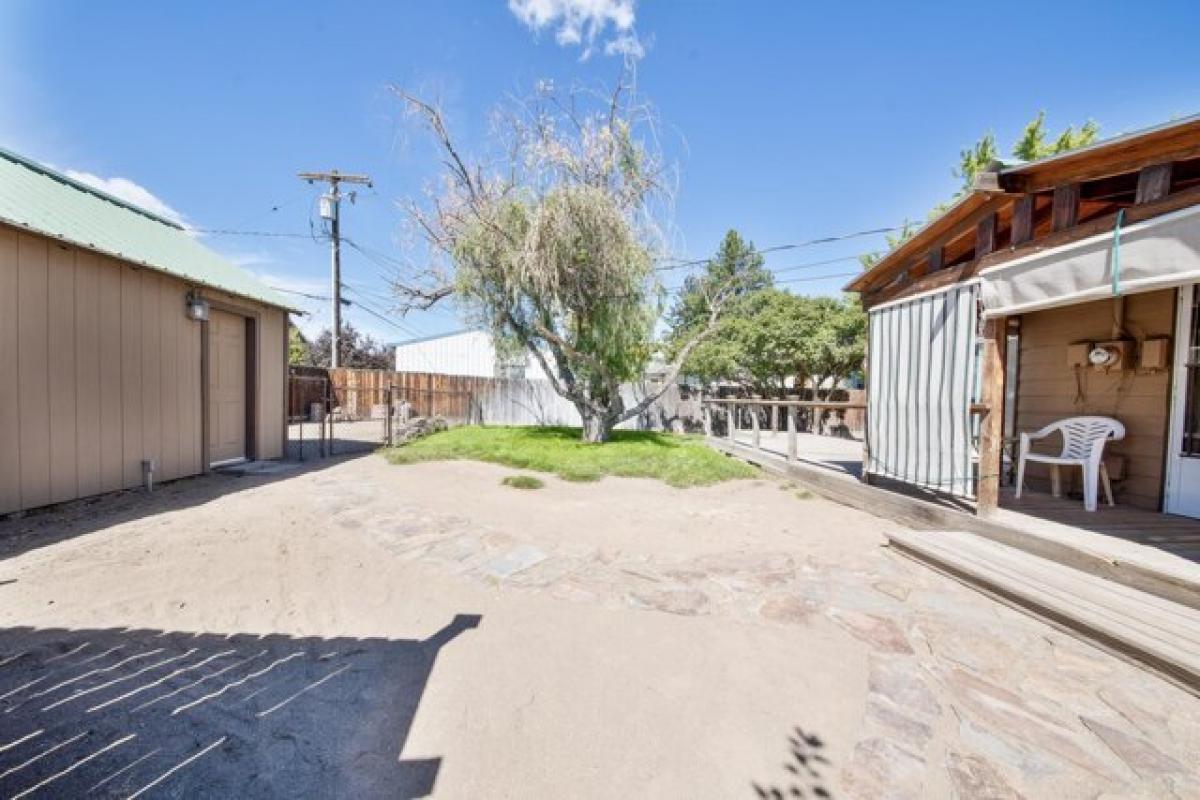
597 427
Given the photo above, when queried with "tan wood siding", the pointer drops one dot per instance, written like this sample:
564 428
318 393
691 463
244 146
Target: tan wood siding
131 376
170 301
87 373
191 402
271 386
32 370
105 370
1048 389
60 337
112 440
151 371
10 451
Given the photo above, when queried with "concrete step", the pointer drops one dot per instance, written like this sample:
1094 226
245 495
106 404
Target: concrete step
1137 625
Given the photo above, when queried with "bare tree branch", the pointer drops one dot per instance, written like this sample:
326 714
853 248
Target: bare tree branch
716 307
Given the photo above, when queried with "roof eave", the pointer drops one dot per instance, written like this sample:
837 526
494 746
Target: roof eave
963 207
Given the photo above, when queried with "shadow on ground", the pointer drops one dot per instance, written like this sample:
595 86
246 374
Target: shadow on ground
802 770
127 713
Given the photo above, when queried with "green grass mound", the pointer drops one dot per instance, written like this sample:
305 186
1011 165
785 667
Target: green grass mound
674 459
523 482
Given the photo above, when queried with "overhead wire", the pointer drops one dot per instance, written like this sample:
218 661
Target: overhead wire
232 232
293 199
781 247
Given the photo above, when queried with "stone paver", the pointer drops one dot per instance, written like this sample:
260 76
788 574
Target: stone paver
957 684
936 691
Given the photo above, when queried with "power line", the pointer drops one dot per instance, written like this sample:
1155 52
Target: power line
231 232
812 264
386 271
301 294
821 277
360 303
273 209
676 290
780 247
808 265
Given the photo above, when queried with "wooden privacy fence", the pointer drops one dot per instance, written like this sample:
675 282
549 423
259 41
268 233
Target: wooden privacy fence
365 394
356 394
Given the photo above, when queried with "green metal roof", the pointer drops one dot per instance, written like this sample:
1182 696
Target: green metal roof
39 199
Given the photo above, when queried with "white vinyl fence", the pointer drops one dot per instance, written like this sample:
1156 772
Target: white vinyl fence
922 369
534 402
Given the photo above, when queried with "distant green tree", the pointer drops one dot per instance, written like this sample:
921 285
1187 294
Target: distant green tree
736 263
838 345
975 159
355 350
299 352
771 335
1033 145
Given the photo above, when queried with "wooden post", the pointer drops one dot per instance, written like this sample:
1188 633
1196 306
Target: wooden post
774 418
1154 183
790 412
937 258
985 236
1065 212
991 432
731 428
1022 221
754 426
707 420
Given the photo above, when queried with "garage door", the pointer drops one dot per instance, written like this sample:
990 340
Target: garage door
226 387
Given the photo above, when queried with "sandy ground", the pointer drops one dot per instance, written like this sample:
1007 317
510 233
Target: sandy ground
359 629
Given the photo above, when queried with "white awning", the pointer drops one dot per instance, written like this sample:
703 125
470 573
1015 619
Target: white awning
1155 254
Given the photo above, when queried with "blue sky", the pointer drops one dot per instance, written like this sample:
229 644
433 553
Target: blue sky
788 120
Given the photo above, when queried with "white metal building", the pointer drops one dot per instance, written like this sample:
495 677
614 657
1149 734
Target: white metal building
465 352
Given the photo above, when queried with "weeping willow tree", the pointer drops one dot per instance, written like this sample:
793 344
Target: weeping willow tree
550 239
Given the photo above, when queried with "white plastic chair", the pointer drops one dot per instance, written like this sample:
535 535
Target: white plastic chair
1083 446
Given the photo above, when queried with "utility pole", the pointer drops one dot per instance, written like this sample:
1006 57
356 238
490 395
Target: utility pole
331 210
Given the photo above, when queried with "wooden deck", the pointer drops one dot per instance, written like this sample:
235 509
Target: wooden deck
1146 550
1041 512
838 454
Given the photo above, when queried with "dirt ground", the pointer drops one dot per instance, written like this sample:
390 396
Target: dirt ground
356 629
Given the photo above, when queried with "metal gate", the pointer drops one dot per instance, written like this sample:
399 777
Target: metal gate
335 412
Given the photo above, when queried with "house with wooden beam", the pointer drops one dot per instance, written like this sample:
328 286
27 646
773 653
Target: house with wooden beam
1055 290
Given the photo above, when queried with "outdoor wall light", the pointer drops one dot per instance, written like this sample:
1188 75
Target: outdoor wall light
197 308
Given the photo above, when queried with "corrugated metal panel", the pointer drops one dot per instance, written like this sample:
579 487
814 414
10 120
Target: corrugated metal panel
39 199
922 368
461 353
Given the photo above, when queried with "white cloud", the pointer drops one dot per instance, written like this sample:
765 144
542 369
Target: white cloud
627 45
130 192
583 22
247 260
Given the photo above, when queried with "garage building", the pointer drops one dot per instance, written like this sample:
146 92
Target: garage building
126 346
